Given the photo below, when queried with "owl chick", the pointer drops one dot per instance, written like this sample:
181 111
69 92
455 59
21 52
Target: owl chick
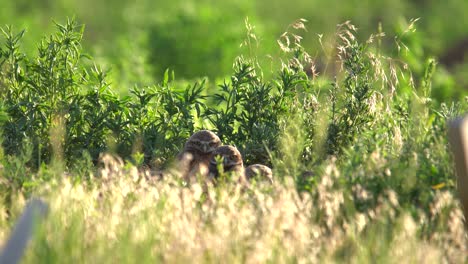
198 150
258 171
231 161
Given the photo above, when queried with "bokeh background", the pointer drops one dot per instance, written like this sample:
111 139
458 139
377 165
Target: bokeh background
138 40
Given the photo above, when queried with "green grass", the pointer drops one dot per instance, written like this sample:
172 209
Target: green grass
362 167
139 40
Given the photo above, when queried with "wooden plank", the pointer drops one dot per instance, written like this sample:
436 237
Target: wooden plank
23 231
458 137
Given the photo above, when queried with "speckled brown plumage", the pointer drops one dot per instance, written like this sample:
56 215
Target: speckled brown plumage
197 153
231 161
258 172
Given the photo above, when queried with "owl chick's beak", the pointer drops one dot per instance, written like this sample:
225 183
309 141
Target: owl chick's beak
205 147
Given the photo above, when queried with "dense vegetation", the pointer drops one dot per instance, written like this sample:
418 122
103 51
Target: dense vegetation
356 137
140 39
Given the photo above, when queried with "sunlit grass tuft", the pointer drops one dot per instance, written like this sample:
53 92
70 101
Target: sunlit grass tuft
126 218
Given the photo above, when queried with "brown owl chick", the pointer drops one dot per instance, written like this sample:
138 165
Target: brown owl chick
258 171
231 161
197 152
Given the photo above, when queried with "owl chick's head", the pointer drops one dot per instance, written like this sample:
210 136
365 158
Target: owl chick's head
230 158
260 172
203 141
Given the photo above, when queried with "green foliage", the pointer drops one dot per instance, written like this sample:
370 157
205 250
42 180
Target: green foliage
353 115
162 118
37 91
140 39
251 110
57 89
197 33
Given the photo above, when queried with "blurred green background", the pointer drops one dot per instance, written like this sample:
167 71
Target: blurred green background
139 39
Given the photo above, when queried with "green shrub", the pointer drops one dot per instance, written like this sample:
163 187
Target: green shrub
58 89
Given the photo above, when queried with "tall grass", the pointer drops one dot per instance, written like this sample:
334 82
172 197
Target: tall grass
124 217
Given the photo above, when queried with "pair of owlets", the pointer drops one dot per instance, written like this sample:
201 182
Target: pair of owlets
202 152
